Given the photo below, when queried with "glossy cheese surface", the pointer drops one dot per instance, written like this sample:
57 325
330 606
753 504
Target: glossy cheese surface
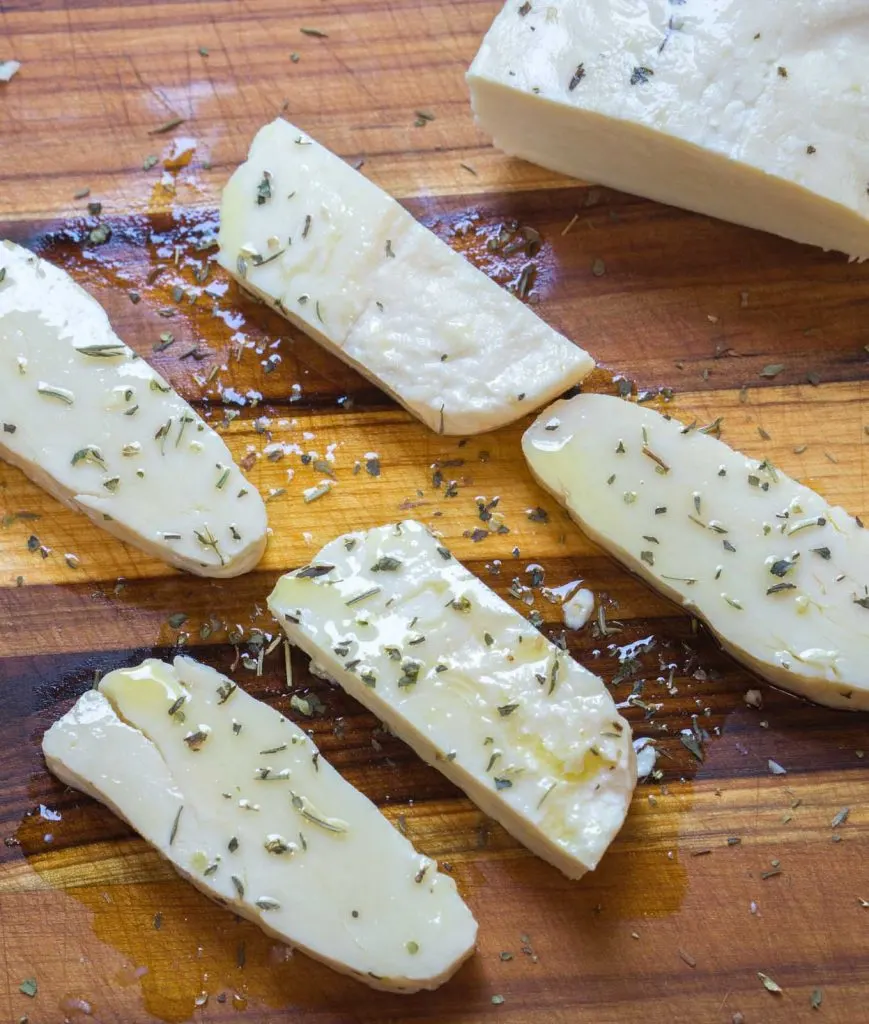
779 575
90 421
239 800
745 111
531 736
347 264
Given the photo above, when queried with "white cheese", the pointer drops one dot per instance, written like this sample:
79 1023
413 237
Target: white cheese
347 264
578 608
778 575
87 419
746 111
532 737
8 69
240 802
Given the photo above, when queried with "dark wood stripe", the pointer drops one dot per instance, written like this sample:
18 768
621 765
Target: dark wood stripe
684 302
112 614
35 690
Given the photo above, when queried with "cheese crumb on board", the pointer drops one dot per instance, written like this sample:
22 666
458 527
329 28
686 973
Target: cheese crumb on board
578 608
532 737
93 424
9 69
779 576
241 803
343 261
747 112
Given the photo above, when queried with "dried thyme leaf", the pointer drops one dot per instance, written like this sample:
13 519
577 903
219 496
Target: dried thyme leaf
840 818
769 984
386 563
107 351
167 126
782 566
690 741
62 394
689 960
175 824
264 190
578 75
778 588
641 75
312 572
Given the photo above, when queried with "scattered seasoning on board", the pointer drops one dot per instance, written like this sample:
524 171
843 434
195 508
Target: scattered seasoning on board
769 984
167 126
29 988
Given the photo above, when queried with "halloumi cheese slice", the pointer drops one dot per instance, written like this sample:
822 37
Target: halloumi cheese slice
532 737
348 265
778 574
90 421
241 803
745 111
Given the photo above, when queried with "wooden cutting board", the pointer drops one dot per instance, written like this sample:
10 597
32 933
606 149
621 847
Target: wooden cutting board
727 866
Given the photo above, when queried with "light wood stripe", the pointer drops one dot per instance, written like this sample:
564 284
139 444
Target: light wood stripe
828 420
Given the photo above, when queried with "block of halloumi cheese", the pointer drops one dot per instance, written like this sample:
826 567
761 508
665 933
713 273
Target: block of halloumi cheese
532 737
241 803
779 575
347 264
90 421
750 112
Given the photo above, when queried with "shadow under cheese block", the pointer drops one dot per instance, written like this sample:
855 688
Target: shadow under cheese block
237 798
344 262
778 574
532 737
92 423
744 111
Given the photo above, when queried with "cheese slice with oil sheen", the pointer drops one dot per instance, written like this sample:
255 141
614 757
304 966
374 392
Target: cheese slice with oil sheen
778 574
240 802
746 111
91 422
532 737
348 265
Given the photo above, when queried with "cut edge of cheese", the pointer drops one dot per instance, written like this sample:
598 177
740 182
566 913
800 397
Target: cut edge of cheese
770 500
51 302
640 161
354 270
569 792
97 749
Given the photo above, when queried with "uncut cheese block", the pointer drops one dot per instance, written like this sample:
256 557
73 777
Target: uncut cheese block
532 737
90 421
344 262
778 574
751 112
238 799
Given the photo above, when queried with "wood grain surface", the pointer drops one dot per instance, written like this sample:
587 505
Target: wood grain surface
725 867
